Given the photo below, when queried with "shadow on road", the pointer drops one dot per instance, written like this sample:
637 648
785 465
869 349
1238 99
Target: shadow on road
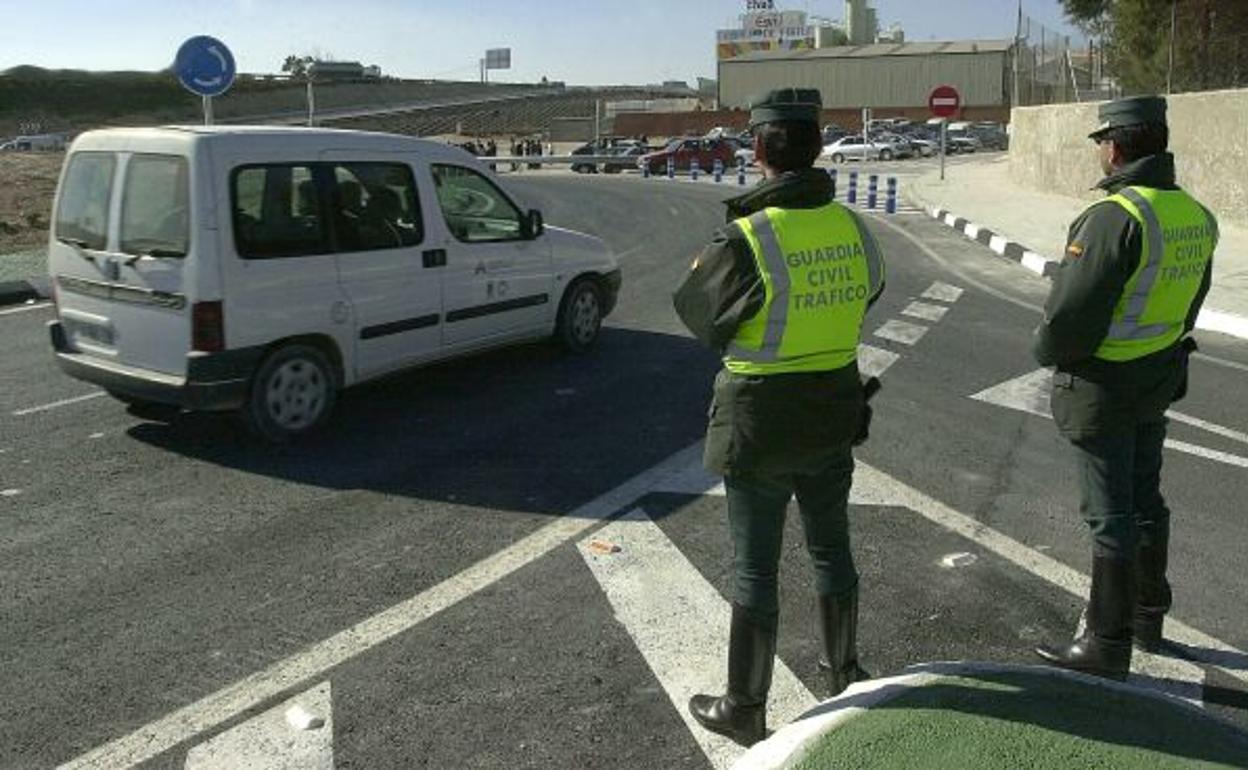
524 429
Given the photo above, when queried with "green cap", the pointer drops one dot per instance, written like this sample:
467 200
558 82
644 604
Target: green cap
786 104
1130 112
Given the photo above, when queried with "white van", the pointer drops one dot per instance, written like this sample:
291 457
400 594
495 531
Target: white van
263 269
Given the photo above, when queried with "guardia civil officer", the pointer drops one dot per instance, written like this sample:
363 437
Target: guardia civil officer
1136 271
781 293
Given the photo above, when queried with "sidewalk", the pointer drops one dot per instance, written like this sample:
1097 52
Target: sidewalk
984 194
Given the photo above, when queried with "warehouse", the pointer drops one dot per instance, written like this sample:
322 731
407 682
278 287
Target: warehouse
891 78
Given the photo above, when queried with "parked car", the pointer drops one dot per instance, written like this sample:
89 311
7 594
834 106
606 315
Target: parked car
628 155
963 141
684 151
261 269
902 148
745 154
854 148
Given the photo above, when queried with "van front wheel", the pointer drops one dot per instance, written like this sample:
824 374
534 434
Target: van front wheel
292 394
580 316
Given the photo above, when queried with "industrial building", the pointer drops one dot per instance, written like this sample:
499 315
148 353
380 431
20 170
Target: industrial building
891 78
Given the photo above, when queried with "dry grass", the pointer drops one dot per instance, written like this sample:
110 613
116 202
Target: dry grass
27 184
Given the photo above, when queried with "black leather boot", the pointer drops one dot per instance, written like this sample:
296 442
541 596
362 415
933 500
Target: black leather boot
1153 597
838 627
741 714
1104 649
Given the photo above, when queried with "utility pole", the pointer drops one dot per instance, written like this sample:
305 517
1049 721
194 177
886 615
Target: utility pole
1174 18
1018 52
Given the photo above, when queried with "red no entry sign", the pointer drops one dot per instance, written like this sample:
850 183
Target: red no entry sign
945 101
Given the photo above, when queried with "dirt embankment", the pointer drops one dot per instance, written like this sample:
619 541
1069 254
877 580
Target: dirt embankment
27 183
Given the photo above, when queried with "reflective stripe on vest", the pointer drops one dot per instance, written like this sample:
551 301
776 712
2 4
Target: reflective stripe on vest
831 237
1152 314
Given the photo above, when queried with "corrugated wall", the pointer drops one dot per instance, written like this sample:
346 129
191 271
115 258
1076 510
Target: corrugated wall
885 81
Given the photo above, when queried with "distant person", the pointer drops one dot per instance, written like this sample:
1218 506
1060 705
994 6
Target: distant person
789 404
1137 267
515 152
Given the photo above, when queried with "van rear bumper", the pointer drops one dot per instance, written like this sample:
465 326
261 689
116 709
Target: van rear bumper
214 381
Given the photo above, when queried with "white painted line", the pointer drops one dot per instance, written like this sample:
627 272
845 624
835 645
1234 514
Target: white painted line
997 244
695 480
1209 454
315 661
1211 427
901 331
873 361
25 308
679 623
958 560
273 740
1224 323
1034 262
925 311
10 492
873 487
57 404
942 292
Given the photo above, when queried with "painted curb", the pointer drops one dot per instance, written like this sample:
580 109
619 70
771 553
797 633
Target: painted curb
791 741
1209 320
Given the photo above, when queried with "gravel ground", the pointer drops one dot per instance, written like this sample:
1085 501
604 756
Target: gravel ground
27 183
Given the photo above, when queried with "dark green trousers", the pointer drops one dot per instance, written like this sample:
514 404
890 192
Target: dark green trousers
756 511
1120 484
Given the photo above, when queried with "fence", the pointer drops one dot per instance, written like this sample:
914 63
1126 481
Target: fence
1050 69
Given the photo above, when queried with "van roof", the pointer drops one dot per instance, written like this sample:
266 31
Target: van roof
342 138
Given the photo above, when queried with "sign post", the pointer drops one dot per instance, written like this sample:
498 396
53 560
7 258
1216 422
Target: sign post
944 102
205 66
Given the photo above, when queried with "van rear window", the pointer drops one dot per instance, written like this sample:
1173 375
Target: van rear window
277 212
155 208
82 211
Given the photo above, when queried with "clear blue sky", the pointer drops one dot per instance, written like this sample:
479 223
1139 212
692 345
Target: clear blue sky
578 41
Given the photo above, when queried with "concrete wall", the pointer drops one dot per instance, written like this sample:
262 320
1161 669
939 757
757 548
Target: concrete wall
1049 149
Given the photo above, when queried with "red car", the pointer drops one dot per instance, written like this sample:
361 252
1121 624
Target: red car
684 151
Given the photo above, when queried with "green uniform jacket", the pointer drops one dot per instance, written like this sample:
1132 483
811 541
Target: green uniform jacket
778 424
1092 396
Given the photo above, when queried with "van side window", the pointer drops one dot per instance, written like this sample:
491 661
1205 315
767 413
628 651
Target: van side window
277 212
155 206
475 209
82 212
375 207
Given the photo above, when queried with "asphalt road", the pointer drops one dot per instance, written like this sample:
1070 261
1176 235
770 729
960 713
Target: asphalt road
148 568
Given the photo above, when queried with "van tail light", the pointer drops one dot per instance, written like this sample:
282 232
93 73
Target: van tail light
207 327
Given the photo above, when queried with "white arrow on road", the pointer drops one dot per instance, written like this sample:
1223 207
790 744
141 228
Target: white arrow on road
1030 393
297 735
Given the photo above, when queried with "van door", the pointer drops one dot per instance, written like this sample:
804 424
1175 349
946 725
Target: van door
122 242
391 277
498 281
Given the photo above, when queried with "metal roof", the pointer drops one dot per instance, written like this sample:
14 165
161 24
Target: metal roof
882 49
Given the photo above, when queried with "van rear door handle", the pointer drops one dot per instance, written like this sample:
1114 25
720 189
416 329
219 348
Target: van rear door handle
434 257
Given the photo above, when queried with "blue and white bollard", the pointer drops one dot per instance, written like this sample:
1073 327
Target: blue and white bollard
645 170
890 202
873 189
853 188
671 168
695 169
719 171
832 172
741 172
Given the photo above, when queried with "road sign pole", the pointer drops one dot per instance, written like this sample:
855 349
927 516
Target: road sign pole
944 145
207 110
311 105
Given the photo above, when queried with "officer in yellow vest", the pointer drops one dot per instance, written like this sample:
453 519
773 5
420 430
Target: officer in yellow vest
1136 271
781 293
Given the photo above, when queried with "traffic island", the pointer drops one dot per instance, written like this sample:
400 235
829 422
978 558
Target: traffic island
972 716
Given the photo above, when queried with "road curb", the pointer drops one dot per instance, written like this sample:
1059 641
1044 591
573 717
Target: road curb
793 740
17 292
1210 320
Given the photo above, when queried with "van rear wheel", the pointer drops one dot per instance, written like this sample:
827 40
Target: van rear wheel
292 394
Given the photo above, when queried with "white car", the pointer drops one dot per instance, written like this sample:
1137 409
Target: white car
746 154
854 148
262 269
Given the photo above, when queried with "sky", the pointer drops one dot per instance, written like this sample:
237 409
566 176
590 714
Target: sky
576 41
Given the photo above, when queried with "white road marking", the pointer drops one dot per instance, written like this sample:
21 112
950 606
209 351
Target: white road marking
57 404
942 292
694 480
25 308
1030 393
873 361
273 740
1223 323
873 487
679 623
901 331
315 661
925 311
1034 262
958 560
10 492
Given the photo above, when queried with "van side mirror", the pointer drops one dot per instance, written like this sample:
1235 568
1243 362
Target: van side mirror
532 226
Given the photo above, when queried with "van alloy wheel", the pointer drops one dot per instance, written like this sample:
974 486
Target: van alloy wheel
580 316
296 395
292 394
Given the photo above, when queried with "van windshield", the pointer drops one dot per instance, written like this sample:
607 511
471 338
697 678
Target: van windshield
155 212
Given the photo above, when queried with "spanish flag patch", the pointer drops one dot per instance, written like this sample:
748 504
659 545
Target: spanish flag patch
1075 250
